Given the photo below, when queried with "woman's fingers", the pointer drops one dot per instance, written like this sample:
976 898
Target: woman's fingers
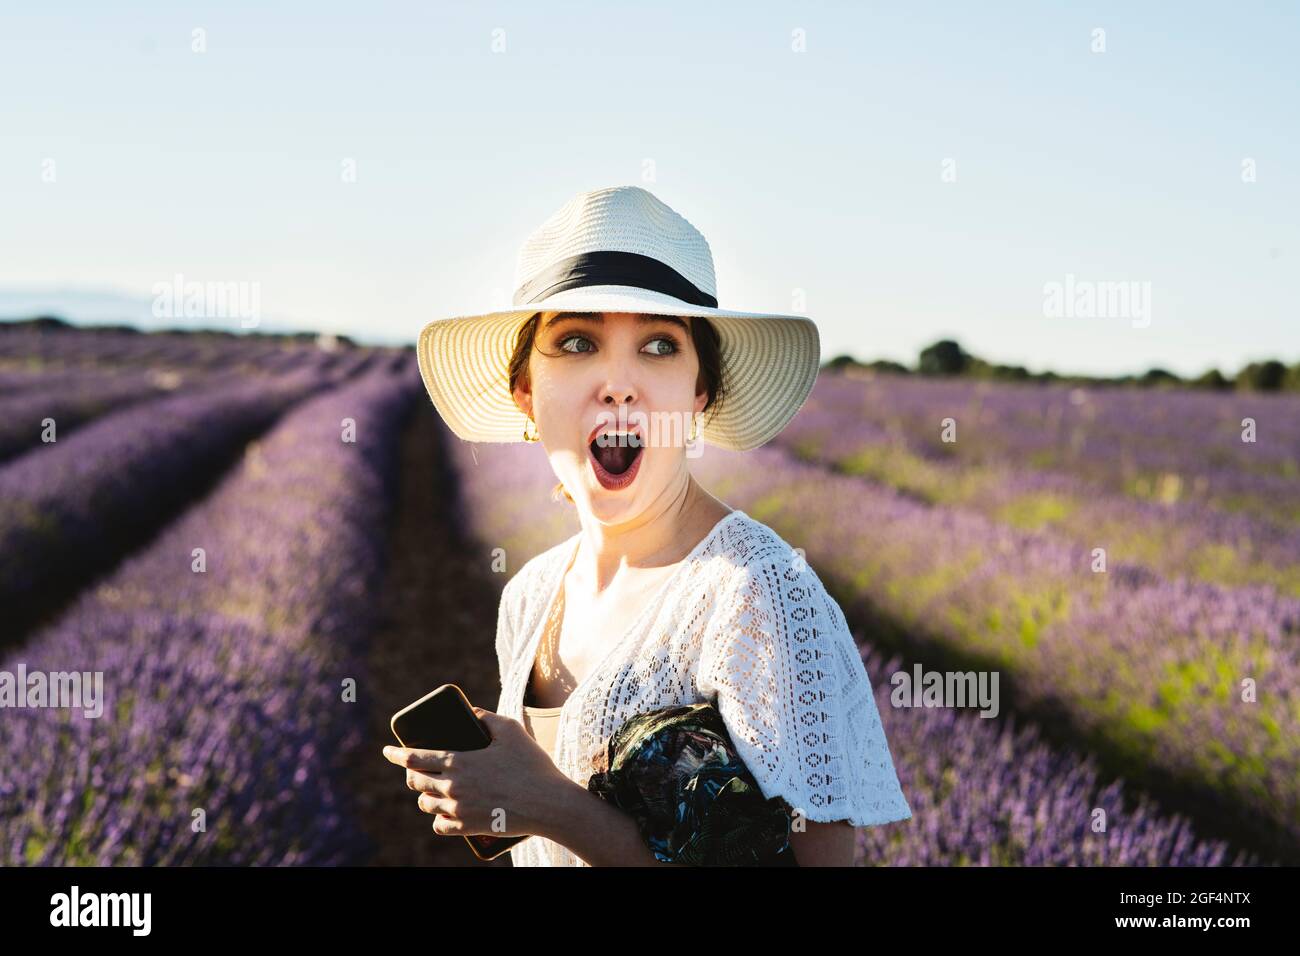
447 826
429 803
426 783
413 759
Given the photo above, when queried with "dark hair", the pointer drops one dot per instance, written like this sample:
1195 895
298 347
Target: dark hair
708 346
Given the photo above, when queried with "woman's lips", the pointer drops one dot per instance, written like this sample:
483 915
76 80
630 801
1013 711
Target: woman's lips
607 479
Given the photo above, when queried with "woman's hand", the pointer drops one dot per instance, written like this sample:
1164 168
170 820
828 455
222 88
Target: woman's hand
509 788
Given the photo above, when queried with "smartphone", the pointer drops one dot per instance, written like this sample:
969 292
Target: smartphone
443 719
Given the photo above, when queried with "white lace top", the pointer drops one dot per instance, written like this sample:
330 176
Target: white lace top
743 623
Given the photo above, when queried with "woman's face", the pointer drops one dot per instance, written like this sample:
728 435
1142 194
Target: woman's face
593 374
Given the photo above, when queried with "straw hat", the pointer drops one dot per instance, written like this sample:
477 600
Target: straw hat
620 249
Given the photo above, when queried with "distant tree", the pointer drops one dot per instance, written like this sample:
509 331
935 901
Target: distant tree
47 323
1212 379
1001 373
888 367
1158 376
1292 383
944 357
1262 376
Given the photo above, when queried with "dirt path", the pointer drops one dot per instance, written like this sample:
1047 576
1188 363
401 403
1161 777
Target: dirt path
440 607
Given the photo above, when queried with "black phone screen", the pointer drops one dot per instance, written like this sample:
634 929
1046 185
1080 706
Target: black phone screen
444 720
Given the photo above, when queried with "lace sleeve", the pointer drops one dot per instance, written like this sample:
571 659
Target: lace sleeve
506 627
783 669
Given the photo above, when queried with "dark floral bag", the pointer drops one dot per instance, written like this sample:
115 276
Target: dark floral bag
677 773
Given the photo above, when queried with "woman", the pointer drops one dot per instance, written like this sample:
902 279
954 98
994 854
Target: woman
618 360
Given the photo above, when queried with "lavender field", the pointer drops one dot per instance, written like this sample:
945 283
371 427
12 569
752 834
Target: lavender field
214 555
1127 681
265 546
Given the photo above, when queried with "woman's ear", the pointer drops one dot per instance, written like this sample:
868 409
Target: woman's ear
701 395
523 396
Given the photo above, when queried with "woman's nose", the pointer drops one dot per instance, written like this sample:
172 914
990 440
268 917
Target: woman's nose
612 394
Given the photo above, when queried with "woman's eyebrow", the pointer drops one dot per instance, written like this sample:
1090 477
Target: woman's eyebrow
599 319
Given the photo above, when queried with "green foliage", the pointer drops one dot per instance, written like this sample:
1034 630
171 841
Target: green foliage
1034 511
1212 379
888 367
944 357
1159 376
839 363
947 357
1262 376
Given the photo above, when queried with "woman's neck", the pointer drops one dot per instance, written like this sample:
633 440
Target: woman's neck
657 538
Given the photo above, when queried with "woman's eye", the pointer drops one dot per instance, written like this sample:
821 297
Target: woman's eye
668 348
672 346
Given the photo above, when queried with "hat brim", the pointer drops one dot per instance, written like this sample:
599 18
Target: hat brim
770 364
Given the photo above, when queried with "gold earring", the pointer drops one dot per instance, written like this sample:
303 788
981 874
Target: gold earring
534 436
694 430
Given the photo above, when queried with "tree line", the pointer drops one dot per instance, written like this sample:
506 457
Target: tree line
947 358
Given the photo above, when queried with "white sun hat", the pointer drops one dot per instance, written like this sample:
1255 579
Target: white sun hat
620 249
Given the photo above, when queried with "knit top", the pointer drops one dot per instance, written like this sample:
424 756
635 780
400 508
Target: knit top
744 623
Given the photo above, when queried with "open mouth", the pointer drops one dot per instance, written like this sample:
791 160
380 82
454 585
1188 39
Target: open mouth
617 462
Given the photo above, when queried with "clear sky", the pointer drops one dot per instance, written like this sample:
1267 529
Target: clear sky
819 174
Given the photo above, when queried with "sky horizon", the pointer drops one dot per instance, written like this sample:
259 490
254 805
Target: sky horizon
271 326
900 175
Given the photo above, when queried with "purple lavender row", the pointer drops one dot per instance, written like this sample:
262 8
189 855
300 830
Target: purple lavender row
101 349
71 402
1162 445
1152 427
224 690
982 793
19 379
1167 680
1184 537
23 381
70 509
987 792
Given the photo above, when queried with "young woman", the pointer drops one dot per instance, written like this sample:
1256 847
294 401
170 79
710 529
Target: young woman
617 359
